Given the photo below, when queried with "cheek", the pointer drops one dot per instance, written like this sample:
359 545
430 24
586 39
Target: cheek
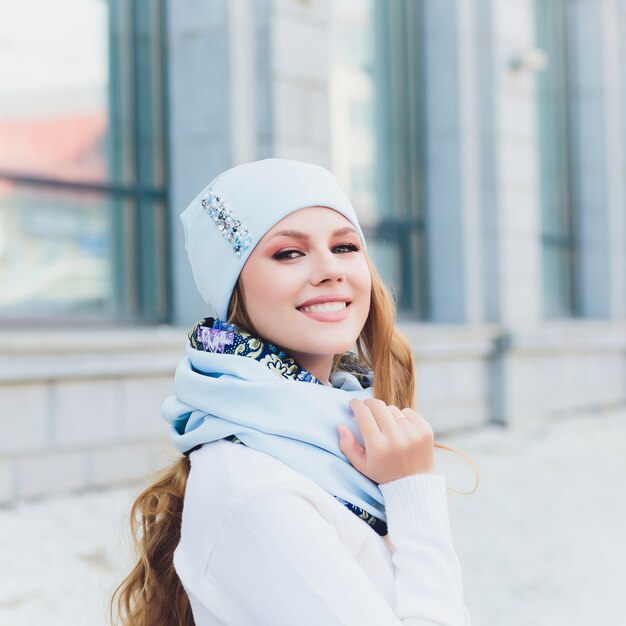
262 286
252 276
363 278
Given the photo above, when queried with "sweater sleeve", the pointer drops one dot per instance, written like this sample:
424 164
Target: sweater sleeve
278 561
428 577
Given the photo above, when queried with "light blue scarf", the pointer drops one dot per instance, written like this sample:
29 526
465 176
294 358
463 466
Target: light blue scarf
270 404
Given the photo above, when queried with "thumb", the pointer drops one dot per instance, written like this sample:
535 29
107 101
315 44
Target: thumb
351 448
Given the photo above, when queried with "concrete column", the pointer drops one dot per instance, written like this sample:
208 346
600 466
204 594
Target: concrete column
299 80
244 38
511 212
510 190
599 160
453 162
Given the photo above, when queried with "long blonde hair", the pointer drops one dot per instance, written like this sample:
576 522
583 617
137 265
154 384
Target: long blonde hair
152 593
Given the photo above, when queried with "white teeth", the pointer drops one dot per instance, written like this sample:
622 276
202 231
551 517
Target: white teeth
326 306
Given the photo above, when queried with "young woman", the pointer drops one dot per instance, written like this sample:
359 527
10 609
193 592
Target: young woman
306 492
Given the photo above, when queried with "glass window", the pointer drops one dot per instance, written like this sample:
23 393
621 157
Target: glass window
54 253
377 135
558 235
82 161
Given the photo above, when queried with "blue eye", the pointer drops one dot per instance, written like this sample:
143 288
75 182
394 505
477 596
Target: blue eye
351 247
284 254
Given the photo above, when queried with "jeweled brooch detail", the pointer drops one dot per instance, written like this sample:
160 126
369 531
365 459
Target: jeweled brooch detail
231 228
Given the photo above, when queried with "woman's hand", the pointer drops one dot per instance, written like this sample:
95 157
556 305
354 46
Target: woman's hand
394 448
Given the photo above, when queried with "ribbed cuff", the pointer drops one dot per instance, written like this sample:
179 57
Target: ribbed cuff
416 501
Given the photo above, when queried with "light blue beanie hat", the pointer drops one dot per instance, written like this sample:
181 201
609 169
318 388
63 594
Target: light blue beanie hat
229 217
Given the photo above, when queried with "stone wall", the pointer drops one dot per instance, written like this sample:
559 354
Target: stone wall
82 410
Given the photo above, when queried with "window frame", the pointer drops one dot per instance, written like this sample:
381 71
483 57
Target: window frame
146 202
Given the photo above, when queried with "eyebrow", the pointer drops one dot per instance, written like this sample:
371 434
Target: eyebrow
304 236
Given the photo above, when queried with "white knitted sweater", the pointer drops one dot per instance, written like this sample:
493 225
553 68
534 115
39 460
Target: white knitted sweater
263 545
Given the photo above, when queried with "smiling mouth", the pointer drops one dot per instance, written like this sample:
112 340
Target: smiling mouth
325 307
327 311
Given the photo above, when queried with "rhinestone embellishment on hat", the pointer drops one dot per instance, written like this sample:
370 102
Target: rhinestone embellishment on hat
231 228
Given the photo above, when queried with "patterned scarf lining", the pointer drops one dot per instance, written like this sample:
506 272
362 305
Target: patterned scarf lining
213 335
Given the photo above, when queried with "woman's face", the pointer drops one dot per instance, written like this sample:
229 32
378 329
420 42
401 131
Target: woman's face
312 256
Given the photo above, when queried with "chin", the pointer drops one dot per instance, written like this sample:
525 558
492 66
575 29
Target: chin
332 348
320 348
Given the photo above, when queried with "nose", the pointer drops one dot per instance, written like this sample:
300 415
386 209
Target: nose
328 267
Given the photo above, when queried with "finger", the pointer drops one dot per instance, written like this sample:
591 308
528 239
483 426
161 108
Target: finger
351 448
399 417
403 426
416 420
413 416
394 410
381 413
367 422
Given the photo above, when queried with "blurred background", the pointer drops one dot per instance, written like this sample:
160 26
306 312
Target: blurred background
483 144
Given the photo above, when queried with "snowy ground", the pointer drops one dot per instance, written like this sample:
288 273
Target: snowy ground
542 543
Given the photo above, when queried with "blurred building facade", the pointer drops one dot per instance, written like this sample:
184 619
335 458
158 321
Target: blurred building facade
482 142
